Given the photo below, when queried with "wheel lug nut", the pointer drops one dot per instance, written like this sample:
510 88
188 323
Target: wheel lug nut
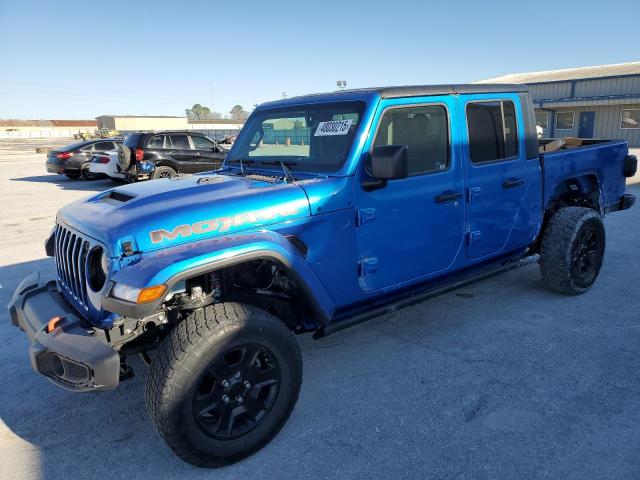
225 384
239 399
247 385
225 398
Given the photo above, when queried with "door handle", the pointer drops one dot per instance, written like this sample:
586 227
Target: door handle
512 183
448 197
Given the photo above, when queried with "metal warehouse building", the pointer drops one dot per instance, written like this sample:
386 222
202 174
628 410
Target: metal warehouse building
215 128
588 102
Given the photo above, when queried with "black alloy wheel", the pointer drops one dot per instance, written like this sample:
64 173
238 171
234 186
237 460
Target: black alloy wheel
586 257
236 391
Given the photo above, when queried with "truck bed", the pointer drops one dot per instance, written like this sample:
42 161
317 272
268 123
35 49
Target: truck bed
594 160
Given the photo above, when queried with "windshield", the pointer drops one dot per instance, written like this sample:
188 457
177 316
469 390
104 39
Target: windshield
316 137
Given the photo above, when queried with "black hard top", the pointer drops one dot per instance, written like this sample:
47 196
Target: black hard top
402 92
425 90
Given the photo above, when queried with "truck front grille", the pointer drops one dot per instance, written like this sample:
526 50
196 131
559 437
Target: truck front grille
71 251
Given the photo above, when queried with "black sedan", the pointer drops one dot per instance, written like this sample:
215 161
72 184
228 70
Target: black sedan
73 160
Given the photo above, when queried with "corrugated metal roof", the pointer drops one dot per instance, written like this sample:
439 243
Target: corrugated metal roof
223 121
13 123
74 123
137 116
631 68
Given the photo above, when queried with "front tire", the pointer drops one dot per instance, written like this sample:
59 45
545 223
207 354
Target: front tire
572 250
223 384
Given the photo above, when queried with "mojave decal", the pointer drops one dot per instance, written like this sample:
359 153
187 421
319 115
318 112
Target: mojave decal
222 224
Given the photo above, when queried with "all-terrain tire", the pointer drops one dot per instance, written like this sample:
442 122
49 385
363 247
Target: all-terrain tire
572 250
186 358
163 172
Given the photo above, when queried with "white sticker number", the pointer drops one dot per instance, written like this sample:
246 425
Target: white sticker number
334 127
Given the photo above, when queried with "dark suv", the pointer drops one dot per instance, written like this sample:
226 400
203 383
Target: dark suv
73 160
164 154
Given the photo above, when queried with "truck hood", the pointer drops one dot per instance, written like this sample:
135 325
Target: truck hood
168 212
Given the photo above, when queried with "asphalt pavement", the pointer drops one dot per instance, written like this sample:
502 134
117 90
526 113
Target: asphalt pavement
499 380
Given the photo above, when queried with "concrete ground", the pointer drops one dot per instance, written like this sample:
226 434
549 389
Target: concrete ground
500 380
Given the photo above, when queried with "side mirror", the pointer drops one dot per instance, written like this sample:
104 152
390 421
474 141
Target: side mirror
388 162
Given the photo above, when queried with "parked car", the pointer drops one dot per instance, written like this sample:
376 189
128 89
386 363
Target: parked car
227 142
107 164
399 194
165 154
73 160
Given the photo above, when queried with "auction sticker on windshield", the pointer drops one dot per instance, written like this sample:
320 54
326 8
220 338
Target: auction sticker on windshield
334 127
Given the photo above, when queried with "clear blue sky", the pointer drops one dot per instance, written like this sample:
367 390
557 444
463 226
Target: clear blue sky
62 59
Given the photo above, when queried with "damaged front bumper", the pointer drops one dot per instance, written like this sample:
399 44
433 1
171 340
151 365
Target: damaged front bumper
72 355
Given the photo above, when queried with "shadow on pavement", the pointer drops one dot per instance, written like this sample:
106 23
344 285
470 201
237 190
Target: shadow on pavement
69 184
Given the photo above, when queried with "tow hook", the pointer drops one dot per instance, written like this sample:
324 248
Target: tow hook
126 372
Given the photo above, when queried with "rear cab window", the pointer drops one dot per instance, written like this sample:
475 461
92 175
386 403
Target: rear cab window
493 130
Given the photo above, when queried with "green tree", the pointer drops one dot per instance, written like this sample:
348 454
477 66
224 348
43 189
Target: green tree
238 113
199 112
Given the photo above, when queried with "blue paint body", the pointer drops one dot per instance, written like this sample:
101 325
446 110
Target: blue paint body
363 246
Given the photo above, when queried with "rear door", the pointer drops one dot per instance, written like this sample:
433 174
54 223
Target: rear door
502 185
207 153
183 153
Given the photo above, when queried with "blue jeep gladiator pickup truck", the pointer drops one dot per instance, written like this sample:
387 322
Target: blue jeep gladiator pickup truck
329 210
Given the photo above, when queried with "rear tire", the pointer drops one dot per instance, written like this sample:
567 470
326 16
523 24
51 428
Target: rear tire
223 384
572 250
86 174
163 172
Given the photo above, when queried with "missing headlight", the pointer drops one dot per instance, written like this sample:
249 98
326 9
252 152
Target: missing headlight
98 268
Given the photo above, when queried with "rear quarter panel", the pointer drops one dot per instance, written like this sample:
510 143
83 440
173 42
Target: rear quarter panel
604 160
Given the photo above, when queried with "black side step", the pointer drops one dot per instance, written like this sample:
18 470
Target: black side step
419 297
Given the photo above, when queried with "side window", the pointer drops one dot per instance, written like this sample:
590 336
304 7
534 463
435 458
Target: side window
103 146
201 143
424 129
157 141
180 142
493 132
88 148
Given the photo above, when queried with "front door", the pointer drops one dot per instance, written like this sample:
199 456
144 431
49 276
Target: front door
587 121
412 227
502 185
207 154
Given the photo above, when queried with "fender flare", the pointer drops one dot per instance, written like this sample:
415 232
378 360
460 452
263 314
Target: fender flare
174 264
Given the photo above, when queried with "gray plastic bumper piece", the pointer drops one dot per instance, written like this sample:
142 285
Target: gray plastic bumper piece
73 356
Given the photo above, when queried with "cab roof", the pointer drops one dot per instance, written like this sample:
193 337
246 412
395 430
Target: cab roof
399 92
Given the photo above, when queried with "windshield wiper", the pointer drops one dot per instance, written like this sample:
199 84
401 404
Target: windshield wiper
287 173
241 161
